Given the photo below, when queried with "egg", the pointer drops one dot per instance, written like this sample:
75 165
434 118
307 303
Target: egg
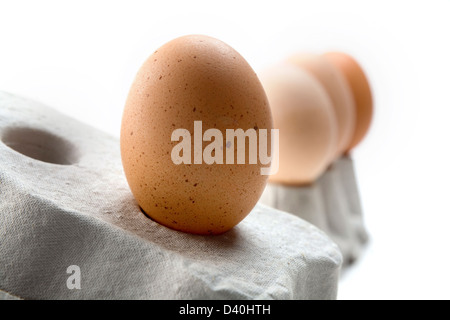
361 93
193 83
303 113
338 90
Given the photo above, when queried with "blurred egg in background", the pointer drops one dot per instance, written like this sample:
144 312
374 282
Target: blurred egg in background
303 112
361 94
339 92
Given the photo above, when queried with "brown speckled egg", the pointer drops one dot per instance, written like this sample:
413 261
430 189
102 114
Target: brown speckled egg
361 92
303 113
338 90
193 78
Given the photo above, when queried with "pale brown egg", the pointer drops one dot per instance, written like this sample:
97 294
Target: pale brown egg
193 78
361 93
303 113
338 90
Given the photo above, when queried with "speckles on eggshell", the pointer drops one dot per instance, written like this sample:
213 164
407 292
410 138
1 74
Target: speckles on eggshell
190 83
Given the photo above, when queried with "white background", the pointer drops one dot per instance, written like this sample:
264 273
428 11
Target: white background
81 57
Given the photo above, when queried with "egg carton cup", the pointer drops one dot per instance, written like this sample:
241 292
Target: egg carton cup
65 205
332 203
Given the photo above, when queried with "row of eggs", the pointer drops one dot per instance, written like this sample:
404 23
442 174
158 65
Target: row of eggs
321 105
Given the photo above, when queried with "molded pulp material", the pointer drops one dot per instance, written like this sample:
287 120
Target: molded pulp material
64 201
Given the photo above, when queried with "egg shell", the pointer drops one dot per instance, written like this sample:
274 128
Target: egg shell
361 92
339 91
303 113
192 78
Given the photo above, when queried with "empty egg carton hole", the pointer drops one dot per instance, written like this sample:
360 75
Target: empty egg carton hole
40 145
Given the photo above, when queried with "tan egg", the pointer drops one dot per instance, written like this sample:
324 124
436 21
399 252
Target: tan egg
361 93
193 78
338 90
303 113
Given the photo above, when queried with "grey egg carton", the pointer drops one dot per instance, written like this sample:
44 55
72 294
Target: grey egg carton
65 202
332 203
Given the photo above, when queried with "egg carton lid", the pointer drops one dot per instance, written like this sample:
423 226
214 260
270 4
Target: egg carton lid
65 204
